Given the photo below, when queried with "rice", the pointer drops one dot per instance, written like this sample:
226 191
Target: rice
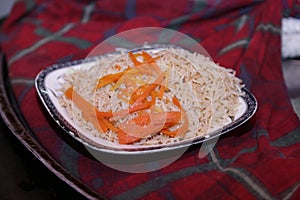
209 94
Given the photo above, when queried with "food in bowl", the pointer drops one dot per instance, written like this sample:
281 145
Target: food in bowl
151 96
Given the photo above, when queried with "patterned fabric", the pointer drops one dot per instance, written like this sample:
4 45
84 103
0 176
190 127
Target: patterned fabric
258 161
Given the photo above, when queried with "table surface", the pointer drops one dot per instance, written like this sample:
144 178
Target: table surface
248 41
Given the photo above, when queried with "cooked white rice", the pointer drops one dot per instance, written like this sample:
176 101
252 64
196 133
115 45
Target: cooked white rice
208 93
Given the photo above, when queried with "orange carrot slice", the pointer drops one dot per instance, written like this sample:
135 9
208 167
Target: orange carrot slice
102 124
176 102
180 131
149 88
129 77
89 112
118 67
147 57
108 79
146 125
143 90
133 130
134 108
134 60
185 122
109 125
162 118
125 138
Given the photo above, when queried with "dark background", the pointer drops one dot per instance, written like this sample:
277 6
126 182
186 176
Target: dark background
23 176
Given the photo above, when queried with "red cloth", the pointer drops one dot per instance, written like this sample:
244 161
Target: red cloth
260 161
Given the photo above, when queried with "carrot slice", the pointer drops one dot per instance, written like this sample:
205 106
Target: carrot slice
136 131
148 89
130 75
176 102
118 67
180 131
161 91
166 118
102 124
108 79
146 125
136 107
103 114
143 90
147 57
169 133
109 125
134 60
185 125
90 112
142 120
125 138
